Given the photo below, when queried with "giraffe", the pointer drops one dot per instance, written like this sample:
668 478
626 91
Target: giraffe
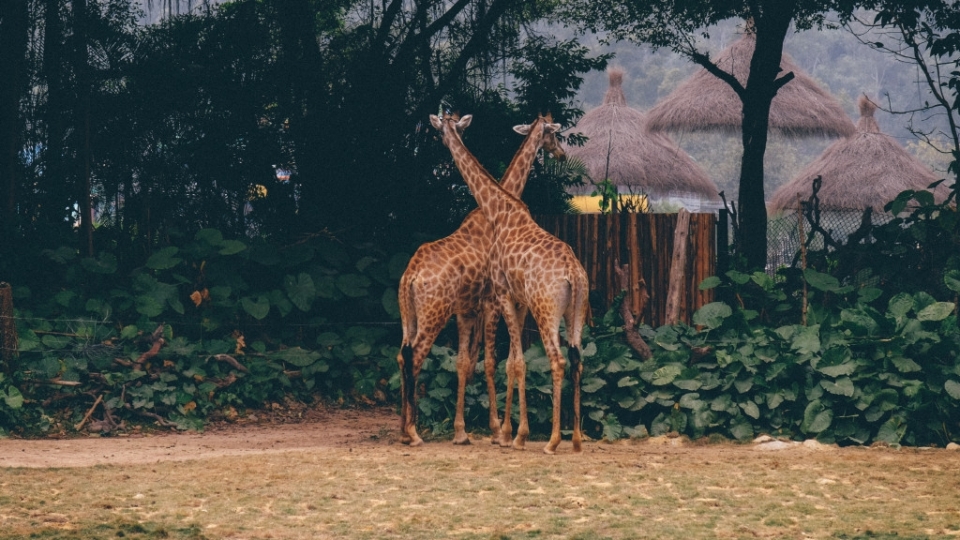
533 269
450 277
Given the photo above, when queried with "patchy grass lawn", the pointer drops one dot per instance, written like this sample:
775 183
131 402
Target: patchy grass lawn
376 488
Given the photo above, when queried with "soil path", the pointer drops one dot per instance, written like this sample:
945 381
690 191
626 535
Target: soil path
322 429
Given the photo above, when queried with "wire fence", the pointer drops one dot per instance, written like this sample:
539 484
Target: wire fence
787 231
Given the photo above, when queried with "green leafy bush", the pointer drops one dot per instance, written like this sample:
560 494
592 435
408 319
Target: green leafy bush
211 323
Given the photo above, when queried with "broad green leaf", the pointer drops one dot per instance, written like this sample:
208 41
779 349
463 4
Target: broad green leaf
738 277
750 409
868 294
687 384
300 290
666 374
900 305
64 297
816 418
774 400
390 303
712 315
840 387
129 332
836 362
936 312
164 259
329 339
297 356
12 397
147 304
258 307
953 388
353 285
231 247
818 280
952 280
807 339
397 265
105 263
55 342
210 236
742 431
627 381
592 384
905 365
892 431
280 301
709 283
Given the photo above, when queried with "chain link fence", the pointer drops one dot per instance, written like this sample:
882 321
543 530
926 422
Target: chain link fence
829 226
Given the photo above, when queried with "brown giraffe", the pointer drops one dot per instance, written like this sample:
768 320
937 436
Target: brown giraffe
532 268
449 277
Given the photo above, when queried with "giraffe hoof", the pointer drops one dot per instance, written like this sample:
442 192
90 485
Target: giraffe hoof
416 442
462 442
549 451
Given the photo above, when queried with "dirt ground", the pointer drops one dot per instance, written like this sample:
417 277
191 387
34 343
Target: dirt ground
306 429
262 434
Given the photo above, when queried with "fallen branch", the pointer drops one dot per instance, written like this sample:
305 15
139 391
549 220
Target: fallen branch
230 360
630 331
55 381
160 420
154 350
86 417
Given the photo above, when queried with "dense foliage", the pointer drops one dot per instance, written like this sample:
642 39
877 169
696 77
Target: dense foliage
219 325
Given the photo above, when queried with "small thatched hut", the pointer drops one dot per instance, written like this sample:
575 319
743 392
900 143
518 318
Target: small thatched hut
869 168
703 102
637 161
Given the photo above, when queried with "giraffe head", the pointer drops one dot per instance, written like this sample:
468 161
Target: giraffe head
451 125
550 130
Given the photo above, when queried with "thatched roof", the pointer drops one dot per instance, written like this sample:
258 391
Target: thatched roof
868 169
622 149
703 102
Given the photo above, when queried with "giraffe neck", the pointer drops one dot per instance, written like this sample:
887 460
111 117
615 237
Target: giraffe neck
515 179
493 200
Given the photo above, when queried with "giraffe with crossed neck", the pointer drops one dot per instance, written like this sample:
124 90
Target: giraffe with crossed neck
532 269
450 277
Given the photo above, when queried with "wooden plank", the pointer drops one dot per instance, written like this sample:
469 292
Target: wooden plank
677 292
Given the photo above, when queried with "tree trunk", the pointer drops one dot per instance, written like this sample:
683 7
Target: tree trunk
317 169
52 190
762 85
84 89
9 348
14 27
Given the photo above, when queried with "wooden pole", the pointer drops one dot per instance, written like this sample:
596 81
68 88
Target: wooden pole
8 330
678 267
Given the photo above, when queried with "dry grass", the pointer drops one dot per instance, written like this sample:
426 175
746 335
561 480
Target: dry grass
384 490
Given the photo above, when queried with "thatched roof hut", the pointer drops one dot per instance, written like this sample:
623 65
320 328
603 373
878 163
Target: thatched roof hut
869 168
703 102
621 149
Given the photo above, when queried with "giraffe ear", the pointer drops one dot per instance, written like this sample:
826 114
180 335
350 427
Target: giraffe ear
464 122
522 129
435 122
552 128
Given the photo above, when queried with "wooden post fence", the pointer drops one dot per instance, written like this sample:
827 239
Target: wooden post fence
645 244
